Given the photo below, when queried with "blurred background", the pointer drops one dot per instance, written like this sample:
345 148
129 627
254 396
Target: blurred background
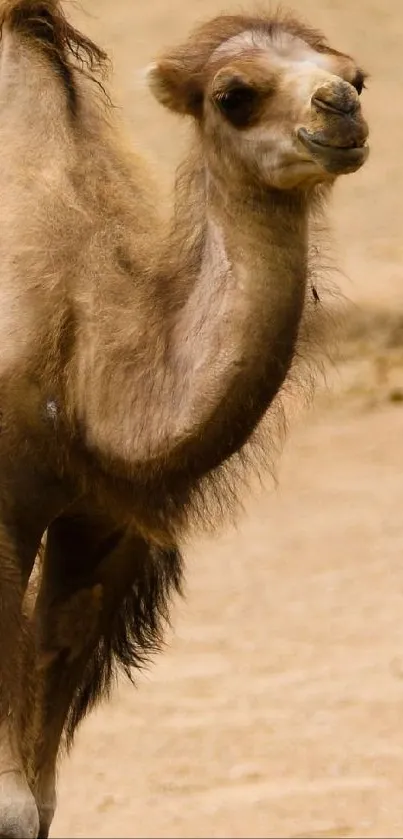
276 710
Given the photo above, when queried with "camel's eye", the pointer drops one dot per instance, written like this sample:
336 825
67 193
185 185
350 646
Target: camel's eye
239 104
359 82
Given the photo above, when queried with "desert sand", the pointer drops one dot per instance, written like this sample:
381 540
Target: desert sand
277 708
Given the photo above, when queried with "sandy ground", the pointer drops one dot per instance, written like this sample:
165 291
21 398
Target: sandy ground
277 709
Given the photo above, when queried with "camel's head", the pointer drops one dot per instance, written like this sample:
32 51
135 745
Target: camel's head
271 98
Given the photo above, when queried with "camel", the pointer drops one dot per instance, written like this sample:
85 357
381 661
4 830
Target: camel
139 359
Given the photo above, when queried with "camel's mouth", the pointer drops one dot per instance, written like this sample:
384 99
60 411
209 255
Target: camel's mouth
335 159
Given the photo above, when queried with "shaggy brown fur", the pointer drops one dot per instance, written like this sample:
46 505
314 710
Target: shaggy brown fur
137 362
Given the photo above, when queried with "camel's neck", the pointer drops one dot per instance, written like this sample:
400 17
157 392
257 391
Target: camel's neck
222 321
235 334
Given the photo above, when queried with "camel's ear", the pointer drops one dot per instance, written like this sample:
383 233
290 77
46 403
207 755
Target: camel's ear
174 88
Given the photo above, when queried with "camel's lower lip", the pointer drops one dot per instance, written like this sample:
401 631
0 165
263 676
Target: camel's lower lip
335 159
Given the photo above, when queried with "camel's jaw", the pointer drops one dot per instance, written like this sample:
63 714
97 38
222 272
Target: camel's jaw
335 159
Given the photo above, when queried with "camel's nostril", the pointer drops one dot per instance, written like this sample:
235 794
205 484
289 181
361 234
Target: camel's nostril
338 105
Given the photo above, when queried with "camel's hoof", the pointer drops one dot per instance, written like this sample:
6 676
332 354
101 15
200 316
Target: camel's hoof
18 812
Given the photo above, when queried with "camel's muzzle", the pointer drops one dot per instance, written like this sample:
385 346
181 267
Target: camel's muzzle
337 132
337 160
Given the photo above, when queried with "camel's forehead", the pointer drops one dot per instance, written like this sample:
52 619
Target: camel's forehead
281 48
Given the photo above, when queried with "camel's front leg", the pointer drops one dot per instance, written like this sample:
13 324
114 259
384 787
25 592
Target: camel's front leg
18 811
65 625
72 631
89 570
